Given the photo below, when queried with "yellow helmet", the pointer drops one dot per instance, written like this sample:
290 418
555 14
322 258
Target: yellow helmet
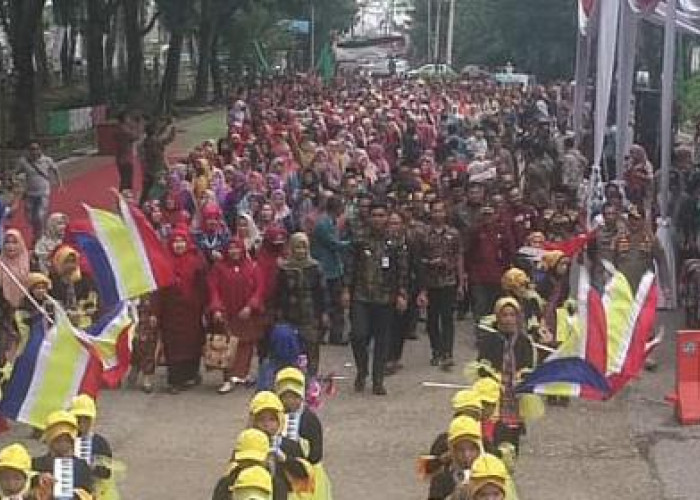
505 302
464 428
514 279
266 400
489 389
551 259
466 399
487 469
16 457
253 483
290 379
84 406
58 423
252 444
34 279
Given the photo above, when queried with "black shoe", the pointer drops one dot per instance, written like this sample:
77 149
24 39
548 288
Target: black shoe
435 360
379 390
359 384
338 342
411 336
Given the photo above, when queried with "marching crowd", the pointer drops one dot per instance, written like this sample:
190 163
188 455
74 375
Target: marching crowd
388 202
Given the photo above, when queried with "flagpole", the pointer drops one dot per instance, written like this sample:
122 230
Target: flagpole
26 293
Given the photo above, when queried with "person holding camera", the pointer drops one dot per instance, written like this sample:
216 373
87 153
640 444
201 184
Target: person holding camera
159 133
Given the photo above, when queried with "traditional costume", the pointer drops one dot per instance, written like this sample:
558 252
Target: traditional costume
71 475
290 471
95 450
252 448
233 283
179 309
304 427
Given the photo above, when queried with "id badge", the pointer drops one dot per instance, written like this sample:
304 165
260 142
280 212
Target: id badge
385 262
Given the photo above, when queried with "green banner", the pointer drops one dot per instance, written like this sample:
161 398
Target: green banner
59 122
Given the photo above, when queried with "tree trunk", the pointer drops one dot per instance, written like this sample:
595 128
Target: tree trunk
66 65
25 15
134 47
95 51
216 80
111 48
201 90
170 77
42 61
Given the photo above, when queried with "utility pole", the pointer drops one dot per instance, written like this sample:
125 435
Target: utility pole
312 37
450 33
437 31
430 30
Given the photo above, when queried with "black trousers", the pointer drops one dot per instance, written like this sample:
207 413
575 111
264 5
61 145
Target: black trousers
441 323
336 310
125 168
182 372
371 322
483 298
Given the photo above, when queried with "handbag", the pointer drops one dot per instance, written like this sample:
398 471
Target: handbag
219 349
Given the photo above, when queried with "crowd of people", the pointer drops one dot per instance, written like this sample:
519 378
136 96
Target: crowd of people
388 202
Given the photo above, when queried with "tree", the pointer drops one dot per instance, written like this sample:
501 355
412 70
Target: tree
177 17
205 38
537 36
21 24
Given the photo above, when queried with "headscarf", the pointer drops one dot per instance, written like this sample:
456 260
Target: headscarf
252 241
60 256
18 266
187 265
294 262
283 211
50 240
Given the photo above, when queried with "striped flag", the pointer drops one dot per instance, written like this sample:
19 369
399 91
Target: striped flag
47 374
109 341
577 367
59 362
124 253
610 345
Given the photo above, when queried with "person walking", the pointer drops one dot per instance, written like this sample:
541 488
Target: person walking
126 135
327 248
153 154
376 281
38 171
442 277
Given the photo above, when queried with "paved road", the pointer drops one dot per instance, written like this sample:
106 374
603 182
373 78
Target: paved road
626 449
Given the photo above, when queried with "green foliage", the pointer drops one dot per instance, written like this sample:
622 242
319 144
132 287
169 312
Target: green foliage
537 36
689 98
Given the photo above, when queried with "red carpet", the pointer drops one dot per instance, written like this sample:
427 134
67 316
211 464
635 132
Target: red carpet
92 188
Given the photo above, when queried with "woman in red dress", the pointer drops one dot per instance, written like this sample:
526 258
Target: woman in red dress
233 286
179 309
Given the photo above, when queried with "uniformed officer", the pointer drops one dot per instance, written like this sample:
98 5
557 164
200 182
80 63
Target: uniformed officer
377 275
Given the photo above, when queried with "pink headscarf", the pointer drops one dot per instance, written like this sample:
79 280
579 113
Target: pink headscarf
18 266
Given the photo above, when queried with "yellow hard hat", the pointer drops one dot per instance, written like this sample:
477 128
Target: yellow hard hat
34 279
84 406
487 469
505 302
253 483
16 457
464 428
551 259
266 400
58 423
252 444
290 379
466 399
489 389
514 279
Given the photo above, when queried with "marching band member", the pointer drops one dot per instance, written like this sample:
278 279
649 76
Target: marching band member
72 476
